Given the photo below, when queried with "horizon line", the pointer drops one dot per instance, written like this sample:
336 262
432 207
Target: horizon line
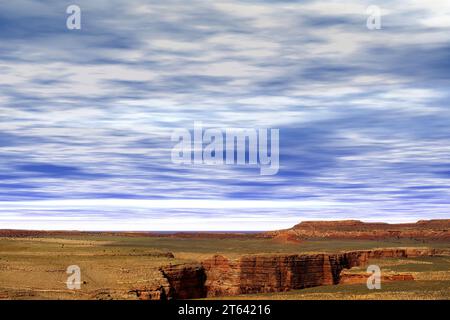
115 230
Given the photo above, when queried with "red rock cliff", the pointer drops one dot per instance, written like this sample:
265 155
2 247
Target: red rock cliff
219 276
355 229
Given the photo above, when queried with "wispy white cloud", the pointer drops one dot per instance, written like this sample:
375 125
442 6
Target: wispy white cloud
363 115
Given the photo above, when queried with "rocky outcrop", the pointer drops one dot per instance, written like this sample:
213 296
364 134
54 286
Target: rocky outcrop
355 229
266 273
348 260
352 278
219 276
151 293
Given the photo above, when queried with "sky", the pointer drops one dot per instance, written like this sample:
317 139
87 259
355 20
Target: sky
86 116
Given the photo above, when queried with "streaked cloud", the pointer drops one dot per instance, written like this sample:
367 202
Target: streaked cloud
363 115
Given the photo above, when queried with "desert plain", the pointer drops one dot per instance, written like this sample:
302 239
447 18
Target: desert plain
312 260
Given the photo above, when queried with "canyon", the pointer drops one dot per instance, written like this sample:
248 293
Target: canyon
220 276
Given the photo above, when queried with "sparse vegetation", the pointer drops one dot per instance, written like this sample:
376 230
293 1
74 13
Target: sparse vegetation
32 268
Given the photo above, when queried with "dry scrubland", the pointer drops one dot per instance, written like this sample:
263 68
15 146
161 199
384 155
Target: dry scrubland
111 266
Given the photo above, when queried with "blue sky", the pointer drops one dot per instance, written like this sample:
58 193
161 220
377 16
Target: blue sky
86 115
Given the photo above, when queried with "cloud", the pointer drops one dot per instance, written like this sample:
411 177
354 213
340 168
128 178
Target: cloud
363 115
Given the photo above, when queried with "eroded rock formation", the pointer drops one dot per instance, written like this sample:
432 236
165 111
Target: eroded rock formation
219 276
355 229
349 278
186 281
266 273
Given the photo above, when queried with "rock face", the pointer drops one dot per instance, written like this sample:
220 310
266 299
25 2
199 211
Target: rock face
355 229
219 276
158 293
268 273
186 281
362 278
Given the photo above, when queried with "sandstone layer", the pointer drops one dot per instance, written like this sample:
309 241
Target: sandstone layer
355 229
219 276
348 278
